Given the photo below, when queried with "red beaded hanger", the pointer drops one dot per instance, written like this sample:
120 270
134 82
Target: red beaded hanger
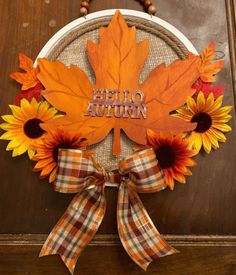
151 9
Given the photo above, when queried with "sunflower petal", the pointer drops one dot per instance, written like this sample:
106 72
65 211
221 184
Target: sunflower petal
16 142
217 104
209 103
222 127
152 138
191 105
53 174
47 170
15 152
206 143
11 119
219 135
221 118
213 140
169 180
187 172
184 113
222 111
43 163
31 153
196 141
17 112
24 103
19 150
7 126
189 162
200 101
7 135
180 178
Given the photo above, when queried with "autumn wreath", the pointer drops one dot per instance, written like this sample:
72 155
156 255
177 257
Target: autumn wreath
177 111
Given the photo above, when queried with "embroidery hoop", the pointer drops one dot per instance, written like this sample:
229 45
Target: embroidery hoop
68 45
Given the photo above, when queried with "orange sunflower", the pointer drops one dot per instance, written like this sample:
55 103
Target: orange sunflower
211 121
173 155
47 151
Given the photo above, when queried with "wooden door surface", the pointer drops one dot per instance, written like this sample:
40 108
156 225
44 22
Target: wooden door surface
199 218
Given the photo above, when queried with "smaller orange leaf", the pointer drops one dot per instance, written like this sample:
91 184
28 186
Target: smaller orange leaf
208 68
26 63
28 79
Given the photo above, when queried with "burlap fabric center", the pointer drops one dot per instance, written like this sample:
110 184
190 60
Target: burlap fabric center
71 49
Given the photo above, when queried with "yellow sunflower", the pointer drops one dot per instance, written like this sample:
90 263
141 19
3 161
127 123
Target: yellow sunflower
47 151
23 126
210 118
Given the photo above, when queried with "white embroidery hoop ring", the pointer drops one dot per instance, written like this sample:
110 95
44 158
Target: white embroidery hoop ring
56 37
126 12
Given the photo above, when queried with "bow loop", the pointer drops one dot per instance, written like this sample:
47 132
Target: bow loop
144 172
77 171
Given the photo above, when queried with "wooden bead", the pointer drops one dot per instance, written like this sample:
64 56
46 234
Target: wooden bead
84 4
147 3
152 9
83 11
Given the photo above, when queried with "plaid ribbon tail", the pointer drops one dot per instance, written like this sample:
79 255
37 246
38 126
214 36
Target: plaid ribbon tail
138 234
77 226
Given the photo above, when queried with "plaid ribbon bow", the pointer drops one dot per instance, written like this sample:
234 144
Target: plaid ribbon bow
81 174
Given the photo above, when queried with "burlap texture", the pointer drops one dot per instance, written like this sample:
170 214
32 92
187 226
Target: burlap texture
71 49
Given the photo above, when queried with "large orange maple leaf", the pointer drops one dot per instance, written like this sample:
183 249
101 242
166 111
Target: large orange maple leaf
117 61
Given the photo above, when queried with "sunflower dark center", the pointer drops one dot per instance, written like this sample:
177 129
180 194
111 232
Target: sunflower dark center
64 145
166 156
203 121
32 128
